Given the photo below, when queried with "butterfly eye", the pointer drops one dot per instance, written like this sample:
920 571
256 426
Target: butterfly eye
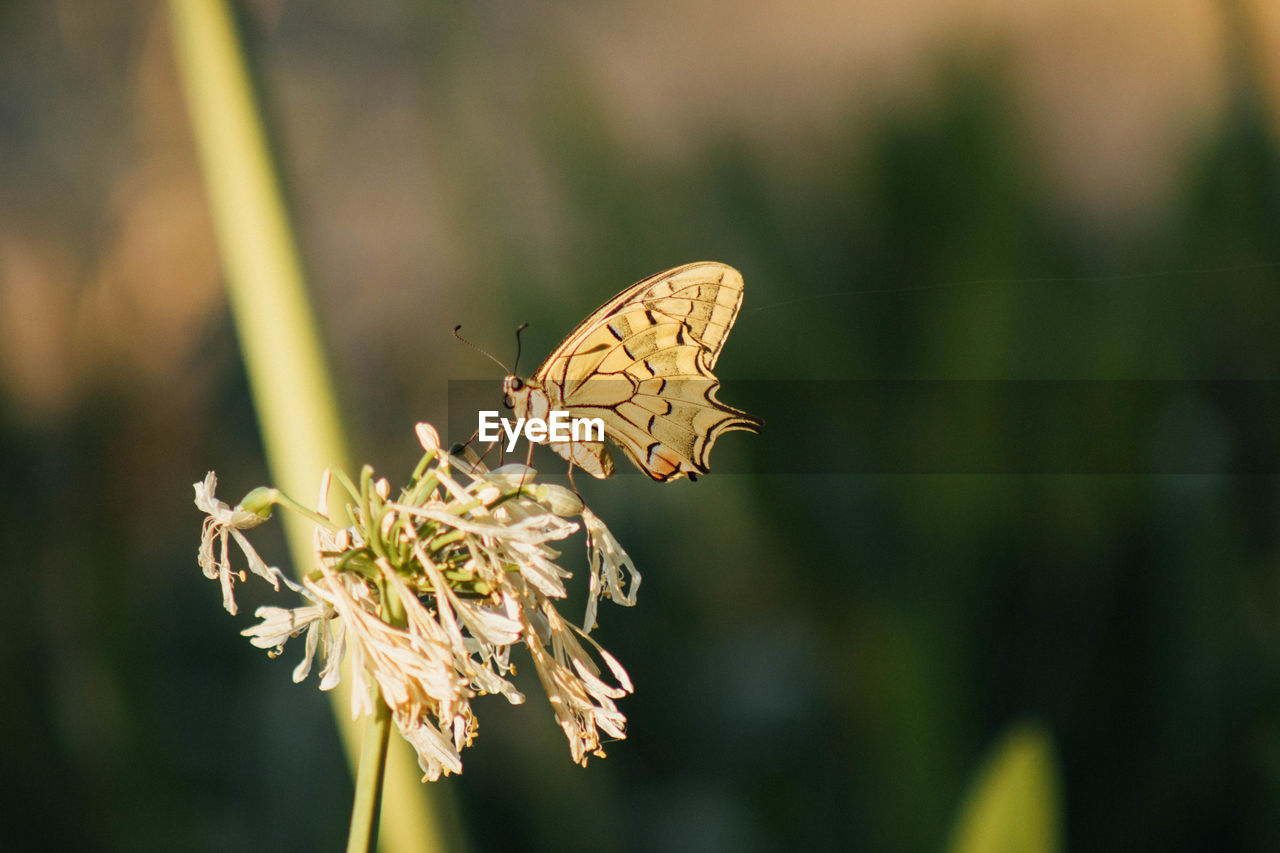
516 383
507 402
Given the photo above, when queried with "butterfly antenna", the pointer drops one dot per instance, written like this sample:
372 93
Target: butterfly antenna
477 349
523 326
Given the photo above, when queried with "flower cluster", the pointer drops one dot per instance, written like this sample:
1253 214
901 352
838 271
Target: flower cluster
428 593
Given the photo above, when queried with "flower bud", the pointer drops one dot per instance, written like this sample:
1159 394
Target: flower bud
261 501
561 501
511 476
428 437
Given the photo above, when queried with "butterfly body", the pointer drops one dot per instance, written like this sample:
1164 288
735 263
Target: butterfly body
642 364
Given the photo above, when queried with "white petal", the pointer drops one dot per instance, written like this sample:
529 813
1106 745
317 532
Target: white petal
436 752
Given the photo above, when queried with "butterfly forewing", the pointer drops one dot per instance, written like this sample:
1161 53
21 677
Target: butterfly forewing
642 364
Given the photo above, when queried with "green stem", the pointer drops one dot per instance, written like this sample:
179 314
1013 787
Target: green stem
423 463
285 501
365 809
367 806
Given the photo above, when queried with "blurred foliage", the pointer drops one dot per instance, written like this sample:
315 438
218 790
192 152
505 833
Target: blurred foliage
820 660
1012 806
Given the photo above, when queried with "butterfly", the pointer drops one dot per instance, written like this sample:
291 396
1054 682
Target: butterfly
642 364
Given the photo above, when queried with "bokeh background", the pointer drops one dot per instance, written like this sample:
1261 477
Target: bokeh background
1030 190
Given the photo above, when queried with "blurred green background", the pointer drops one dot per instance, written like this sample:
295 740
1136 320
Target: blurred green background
1033 190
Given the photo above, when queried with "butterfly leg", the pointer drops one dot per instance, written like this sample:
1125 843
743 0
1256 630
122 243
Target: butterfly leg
480 457
572 484
528 464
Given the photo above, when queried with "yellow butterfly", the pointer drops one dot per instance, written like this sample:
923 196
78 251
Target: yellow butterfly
642 364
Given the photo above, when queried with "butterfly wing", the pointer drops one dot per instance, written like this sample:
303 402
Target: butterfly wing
642 363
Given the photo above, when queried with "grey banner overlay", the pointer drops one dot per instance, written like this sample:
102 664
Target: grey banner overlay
972 427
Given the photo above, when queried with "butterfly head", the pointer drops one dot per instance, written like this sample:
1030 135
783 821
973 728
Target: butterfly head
524 398
514 392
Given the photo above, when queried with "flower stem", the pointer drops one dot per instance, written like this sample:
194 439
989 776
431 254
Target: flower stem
363 835
282 499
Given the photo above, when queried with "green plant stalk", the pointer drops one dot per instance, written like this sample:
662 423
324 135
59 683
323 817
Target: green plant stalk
367 804
288 374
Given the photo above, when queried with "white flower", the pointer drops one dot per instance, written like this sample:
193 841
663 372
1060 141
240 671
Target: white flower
278 625
324 636
613 575
437 753
414 669
222 524
431 592
582 701
491 632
